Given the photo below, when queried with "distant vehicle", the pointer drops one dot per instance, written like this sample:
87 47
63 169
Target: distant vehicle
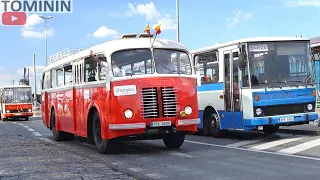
16 102
255 84
154 95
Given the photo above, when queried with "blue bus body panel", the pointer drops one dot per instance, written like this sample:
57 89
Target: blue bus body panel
266 98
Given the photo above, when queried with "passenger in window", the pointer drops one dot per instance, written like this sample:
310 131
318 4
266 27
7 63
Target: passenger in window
163 62
116 70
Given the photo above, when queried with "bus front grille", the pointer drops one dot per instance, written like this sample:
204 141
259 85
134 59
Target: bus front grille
149 103
169 101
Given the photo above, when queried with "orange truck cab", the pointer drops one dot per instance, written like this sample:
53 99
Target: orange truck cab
16 102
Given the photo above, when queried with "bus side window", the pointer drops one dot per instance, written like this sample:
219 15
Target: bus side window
60 77
68 76
53 79
43 81
90 71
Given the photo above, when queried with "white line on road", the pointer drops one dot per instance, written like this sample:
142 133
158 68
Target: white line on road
30 129
180 154
155 176
243 143
46 140
135 169
25 126
300 147
252 150
117 163
36 134
274 143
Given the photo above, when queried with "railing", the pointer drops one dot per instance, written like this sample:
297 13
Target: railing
62 54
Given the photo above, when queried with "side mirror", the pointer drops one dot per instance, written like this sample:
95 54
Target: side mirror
242 60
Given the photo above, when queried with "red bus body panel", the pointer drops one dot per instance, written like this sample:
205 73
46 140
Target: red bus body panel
72 106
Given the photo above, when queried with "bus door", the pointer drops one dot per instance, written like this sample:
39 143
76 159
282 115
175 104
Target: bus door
79 115
1 103
232 90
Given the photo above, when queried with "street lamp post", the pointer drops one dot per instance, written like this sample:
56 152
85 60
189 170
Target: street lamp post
178 21
45 34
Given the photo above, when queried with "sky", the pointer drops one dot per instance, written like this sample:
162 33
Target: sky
202 23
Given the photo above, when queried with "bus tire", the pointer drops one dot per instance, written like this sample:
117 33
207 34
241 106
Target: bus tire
214 125
26 118
103 145
268 130
174 140
57 135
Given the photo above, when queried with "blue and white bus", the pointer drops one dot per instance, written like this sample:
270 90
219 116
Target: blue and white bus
255 84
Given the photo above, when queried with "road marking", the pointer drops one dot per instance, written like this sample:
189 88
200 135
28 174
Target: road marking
46 140
300 147
25 126
180 154
243 143
14 122
252 150
117 163
20 124
135 169
274 143
155 176
30 129
36 134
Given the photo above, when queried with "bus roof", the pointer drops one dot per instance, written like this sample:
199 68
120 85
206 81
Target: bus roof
14 86
254 39
116 45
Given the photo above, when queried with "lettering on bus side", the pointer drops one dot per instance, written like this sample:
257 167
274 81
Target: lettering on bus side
125 90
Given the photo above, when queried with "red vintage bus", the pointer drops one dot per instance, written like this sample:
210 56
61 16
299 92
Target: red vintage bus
143 91
16 102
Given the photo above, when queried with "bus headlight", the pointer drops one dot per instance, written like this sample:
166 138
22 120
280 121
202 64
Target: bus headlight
188 110
29 110
309 107
258 111
128 113
8 111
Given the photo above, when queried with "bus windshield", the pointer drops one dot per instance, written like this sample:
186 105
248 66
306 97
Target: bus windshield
17 95
279 63
140 61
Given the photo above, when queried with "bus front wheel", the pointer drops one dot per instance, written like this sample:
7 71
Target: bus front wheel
103 146
174 140
58 135
214 125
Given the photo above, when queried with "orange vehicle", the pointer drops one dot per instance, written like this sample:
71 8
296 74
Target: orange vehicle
142 91
16 102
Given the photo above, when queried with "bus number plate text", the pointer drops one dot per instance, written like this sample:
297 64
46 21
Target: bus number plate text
289 119
160 123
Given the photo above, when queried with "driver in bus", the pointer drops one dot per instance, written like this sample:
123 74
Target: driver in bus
116 70
163 62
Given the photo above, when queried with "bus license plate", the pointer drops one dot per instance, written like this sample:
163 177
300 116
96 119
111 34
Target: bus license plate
160 123
289 119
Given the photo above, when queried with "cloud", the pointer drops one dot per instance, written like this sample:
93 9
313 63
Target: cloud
151 14
238 17
30 30
103 32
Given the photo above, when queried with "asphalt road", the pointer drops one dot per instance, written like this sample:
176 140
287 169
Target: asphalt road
292 155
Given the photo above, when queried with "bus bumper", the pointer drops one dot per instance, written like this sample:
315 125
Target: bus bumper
182 122
17 115
302 118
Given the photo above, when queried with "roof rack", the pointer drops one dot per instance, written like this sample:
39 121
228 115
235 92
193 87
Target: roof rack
62 54
145 35
125 36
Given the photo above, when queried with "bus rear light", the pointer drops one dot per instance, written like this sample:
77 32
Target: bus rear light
256 97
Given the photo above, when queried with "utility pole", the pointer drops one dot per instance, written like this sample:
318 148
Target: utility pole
35 79
178 21
45 35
